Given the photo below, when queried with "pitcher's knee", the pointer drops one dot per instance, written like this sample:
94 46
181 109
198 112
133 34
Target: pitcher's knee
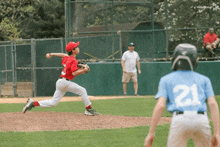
54 103
83 91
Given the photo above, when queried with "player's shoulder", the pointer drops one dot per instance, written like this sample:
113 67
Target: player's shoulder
207 34
135 52
168 76
70 59
175 75
200 76
126 52
65 58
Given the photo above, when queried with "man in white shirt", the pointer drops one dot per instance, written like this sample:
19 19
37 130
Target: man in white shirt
129 61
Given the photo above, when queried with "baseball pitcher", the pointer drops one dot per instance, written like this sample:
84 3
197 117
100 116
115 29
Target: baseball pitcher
186 94
71 69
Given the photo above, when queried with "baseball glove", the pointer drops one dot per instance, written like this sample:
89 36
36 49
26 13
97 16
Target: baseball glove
83 65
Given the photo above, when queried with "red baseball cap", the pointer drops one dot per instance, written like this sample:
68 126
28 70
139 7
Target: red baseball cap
71 45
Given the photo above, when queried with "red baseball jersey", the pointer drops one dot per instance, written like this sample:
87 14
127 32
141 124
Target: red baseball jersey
208 38
70 65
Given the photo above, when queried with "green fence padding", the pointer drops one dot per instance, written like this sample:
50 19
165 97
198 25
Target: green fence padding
105 78
5 63
47 46
23 60
46 81
2 58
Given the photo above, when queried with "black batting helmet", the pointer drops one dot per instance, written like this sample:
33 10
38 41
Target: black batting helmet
185 57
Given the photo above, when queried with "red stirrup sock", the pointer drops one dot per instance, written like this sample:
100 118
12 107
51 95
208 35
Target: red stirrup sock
36 104
88 107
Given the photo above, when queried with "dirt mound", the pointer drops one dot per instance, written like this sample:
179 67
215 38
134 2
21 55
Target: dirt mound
55 121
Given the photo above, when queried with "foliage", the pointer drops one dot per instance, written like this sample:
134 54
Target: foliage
32 19
45 18
8 30
10 11
47 21
188 14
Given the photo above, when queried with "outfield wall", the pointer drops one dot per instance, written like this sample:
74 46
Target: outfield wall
105 78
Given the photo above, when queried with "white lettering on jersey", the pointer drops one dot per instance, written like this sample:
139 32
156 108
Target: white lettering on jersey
64 70
186 90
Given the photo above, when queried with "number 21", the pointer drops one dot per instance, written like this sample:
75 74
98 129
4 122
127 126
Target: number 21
186 90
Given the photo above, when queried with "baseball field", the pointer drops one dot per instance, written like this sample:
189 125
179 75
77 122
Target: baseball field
124 122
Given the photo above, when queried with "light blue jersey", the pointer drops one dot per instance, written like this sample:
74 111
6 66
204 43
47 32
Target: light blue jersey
185 91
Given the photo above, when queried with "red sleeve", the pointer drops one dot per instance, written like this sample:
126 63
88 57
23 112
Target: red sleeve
74 65
64 60
205 40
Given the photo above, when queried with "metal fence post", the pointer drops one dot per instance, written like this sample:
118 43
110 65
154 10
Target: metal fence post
14 73
167 36
6 68
66 21
120 43
152 21
33 65
16 77
61 42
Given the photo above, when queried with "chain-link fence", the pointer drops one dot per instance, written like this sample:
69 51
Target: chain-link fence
25 71
156 27
6 66
104 29
22 63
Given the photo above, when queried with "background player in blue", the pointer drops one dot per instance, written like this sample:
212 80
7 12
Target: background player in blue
186 94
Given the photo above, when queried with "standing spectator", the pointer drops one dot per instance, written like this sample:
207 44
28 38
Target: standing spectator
129 61
211 41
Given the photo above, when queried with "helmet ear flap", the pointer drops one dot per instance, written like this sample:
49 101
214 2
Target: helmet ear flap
185 57
182 62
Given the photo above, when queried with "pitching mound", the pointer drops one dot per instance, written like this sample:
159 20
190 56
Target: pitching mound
55 121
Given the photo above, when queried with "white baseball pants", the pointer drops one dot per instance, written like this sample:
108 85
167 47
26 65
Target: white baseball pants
63 86
189 125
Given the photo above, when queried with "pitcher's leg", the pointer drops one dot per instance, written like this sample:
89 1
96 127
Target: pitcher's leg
79 90
52 102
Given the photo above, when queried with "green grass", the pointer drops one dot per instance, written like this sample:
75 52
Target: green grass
127 137
122 107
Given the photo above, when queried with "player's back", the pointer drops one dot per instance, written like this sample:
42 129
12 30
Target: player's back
187 90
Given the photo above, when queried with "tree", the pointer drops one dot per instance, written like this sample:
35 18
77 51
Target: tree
8 30
96 14
31 19
46 21
10 11
198 14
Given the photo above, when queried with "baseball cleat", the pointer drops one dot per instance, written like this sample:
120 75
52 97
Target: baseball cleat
29 105
91 112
